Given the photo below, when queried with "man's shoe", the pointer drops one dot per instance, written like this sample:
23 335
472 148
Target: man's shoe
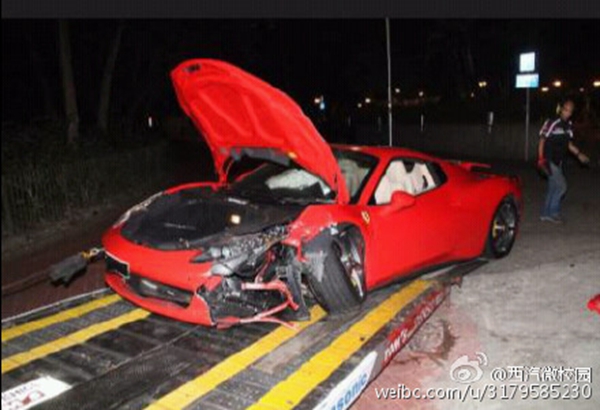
553 219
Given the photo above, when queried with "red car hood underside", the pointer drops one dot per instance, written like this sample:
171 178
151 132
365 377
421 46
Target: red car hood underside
234 109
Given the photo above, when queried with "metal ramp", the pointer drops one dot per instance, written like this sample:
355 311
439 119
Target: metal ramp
101 352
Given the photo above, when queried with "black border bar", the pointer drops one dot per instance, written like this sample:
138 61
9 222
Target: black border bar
555 9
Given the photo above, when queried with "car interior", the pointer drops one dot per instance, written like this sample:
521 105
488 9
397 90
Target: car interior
409 176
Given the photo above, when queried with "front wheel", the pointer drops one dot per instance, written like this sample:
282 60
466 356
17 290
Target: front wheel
503 230
342 285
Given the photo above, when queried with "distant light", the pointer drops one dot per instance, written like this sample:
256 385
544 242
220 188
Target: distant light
397 90
483 84
544 89
235 219
322 105
581 90
557 84
596 84
359 105
472 95
367 100
421 93
319 100
150 121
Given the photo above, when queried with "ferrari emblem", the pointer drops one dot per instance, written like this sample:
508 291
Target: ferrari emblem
366 217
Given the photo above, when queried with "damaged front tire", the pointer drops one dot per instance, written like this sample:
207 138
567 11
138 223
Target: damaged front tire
341 286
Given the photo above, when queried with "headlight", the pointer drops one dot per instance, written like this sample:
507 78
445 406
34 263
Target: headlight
142 205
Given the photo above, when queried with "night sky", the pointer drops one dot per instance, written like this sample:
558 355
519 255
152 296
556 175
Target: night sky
345 60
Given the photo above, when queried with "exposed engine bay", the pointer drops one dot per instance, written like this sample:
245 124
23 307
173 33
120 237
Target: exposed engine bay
260 277
191 218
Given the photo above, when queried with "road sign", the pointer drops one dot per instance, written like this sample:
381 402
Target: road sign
526 62
528 80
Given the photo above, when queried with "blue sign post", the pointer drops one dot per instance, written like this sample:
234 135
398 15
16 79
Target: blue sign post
527 79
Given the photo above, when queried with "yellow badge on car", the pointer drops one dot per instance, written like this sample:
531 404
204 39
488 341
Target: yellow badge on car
366 217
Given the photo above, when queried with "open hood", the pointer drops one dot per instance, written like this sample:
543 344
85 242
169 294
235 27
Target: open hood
237 112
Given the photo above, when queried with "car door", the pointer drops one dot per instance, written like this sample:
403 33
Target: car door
413 238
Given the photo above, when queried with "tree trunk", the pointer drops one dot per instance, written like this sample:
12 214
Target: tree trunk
68 82
105 88
50 109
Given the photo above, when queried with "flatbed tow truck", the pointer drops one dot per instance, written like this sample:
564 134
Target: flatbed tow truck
98 351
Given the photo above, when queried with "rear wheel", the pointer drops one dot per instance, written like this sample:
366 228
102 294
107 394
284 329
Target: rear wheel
342 285
503 230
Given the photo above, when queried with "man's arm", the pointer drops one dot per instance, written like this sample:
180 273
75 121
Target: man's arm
541 162
577 152
544 132
541 148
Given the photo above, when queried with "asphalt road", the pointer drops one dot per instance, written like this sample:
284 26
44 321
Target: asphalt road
526 310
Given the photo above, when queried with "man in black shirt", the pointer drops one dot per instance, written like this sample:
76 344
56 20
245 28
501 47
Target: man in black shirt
556 140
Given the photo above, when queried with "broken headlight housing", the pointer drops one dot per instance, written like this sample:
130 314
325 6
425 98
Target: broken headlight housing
233 251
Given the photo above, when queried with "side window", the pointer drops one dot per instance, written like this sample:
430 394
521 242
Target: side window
438 174
411 176
421 178
395 178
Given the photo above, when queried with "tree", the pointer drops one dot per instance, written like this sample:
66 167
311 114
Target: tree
449 45
40 69
105 88
68 83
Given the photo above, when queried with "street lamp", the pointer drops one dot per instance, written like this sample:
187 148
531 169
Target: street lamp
557 83
397 90
544 89
421 94
359 105
367 100
483 84
596 84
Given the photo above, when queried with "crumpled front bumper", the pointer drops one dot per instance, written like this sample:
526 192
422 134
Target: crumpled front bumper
197 311
170 284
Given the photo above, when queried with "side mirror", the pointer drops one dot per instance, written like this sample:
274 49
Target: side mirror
401 200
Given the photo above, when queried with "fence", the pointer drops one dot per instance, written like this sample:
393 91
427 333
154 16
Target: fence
502 141
37 195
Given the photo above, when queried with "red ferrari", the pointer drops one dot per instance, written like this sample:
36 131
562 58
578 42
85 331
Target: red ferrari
292 216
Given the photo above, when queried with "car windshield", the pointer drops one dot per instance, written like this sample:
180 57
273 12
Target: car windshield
266 181
275 183
356 168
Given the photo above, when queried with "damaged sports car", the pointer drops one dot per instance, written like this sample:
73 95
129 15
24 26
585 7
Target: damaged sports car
298 218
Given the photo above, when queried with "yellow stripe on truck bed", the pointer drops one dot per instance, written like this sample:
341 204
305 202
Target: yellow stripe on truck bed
289 392
234 364
20 330
21 359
